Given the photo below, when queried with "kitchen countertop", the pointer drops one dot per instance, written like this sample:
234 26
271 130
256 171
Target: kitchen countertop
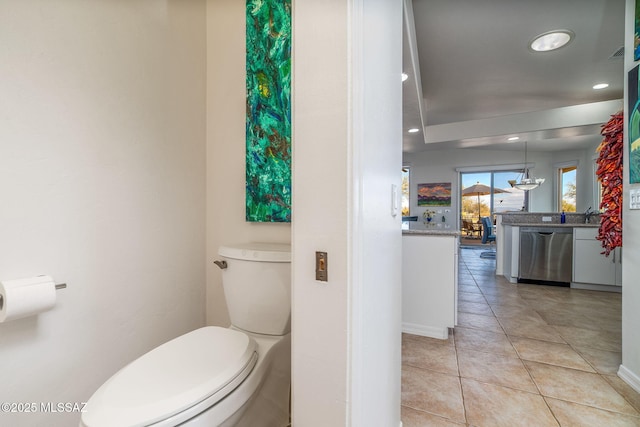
418 228
535 219
453 233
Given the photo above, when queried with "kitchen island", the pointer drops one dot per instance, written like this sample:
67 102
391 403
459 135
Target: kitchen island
589 268
429 279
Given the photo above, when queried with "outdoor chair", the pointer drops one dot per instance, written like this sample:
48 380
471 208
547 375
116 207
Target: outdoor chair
467 227
488 237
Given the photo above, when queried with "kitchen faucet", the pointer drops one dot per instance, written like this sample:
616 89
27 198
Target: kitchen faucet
588 214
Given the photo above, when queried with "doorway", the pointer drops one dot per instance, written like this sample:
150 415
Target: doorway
485 194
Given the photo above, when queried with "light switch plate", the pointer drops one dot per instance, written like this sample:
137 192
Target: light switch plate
322 266
634 198
546 219
395 200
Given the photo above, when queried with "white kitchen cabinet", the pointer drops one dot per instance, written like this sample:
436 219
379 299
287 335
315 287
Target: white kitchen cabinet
511 253
429 284
590 266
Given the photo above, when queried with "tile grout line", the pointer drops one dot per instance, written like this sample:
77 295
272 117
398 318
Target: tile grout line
455 349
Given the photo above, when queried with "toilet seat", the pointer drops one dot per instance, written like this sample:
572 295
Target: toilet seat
202 365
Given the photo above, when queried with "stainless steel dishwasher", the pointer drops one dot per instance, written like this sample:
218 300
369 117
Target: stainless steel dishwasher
546 255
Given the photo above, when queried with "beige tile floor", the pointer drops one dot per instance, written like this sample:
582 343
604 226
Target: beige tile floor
521 355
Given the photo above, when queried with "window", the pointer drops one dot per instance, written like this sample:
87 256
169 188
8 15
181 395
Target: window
567 187
597 187
405 191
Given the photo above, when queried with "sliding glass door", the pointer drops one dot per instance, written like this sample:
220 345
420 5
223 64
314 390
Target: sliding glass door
485 193
513 199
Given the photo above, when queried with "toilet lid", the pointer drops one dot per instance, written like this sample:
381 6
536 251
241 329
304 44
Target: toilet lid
172 378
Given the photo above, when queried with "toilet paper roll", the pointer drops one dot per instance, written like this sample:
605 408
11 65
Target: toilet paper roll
26 297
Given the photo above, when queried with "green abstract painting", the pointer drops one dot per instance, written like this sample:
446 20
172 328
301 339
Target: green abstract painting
268 160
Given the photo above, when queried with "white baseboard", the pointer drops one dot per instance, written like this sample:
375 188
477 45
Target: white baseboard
591 287
425 331
630 378
510 279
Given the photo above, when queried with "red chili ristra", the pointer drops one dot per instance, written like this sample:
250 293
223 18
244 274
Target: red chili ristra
609 174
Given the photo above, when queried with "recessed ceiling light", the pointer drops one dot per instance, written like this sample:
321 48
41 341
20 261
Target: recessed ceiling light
513 138
551 40
405 76
413 130
601 86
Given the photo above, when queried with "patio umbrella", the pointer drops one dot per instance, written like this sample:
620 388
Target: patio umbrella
478 190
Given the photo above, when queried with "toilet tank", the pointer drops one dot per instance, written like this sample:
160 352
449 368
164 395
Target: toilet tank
257 286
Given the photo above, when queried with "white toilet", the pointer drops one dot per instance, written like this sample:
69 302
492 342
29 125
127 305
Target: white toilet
213 376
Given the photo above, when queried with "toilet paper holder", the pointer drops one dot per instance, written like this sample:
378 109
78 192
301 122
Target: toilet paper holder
58 286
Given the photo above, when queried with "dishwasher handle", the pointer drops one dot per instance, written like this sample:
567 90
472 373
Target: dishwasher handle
545 231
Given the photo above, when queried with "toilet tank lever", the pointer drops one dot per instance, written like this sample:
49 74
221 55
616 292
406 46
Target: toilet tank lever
221 264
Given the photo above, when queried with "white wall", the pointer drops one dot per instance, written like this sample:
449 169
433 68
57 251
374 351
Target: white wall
630 370
102 177
376 248
440 166
226 107
347 154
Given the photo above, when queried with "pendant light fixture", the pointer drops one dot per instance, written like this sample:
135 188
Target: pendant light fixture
526 182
